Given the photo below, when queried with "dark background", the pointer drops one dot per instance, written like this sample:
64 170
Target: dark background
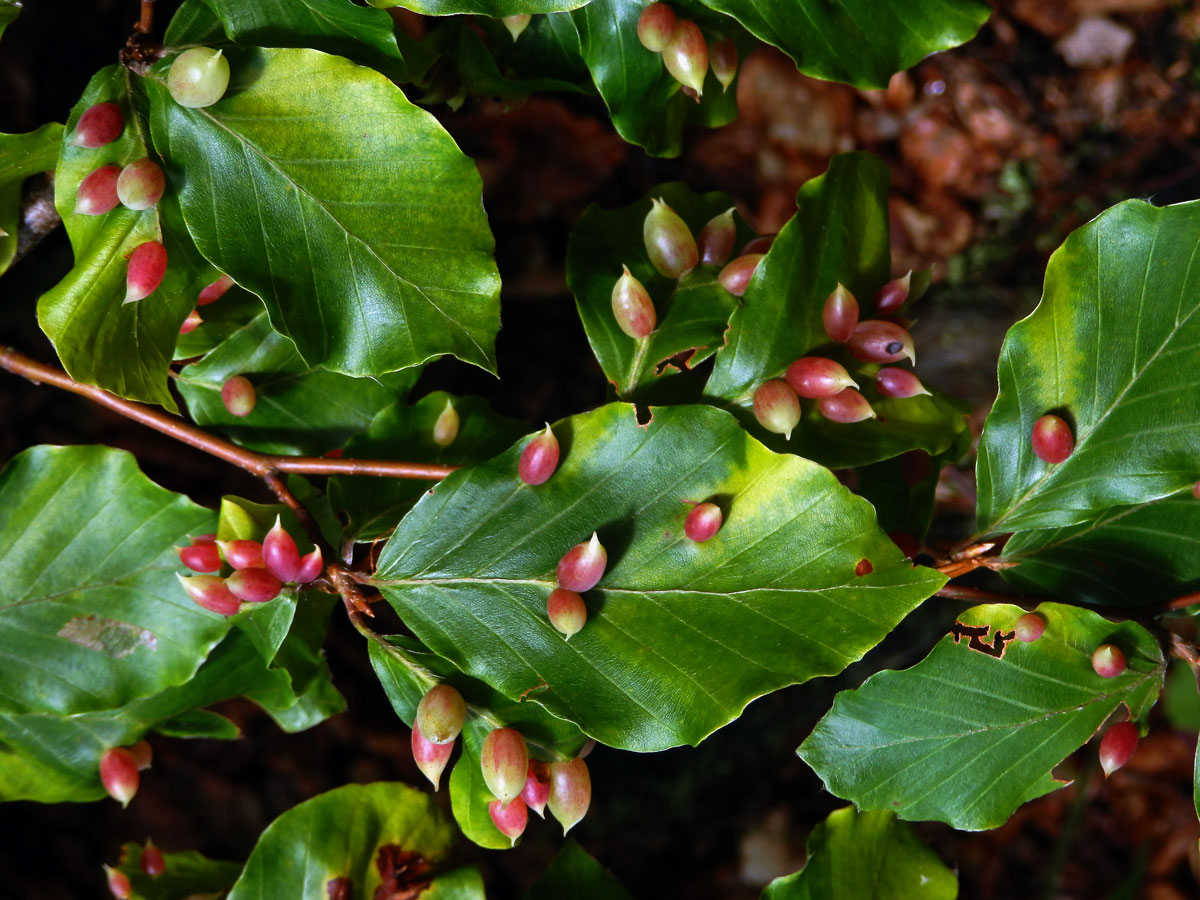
997 150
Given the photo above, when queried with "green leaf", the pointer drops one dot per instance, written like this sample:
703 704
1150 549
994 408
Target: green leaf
547 49
367 36
363 833
693 312
867 856
1181 698
480 74
494 9
122 347
859 42
93 616
220 321
187 874
299 409
1112 348
1140 555
21 155
193 23
964 737
375 505
200 723
575 873
373 253
469 570
9 10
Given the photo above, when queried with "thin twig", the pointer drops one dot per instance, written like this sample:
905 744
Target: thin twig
146 23
974 594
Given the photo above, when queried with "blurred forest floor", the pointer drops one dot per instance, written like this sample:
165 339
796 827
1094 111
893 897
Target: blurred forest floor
1057 110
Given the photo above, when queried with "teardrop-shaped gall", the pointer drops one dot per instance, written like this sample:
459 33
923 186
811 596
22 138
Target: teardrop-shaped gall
845 407
119 774
1052 439
1117 746
152 861
254 585
537 787
143 754
735 277
777 407
504 760
686 55
445 429
570 792
200 557
198 77
147 266
237 393
215 291
118 883
441 714
632 307
894 294
141 184
539 459
210 592
655 26
715 242
99 125
702 522
97 193
898 383
723 57
760 244
280 553
431 758
669 242
567 611
516 24
840 315
1196 490
582 566
191 323
880 341
310 567
1108 661
509 818
1029 627
242 554
814 377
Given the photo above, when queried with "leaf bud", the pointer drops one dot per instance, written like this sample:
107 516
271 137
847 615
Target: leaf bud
845 407
1052 439
669 242
238 395
445 429
242 554
119 774
97 193
198 77
310 567
735 277
213 292
431 758
147 266
254 585
191 323
582 566
777 407
898 383
118 883
840 315
723 57
281 556
570 792
894 294
509 818
141 184
686 55
210 592
1029 627
537 787
99 125
715 242
567 611
151 861
1108 661
200 557
702 522
504 760
1117 746
441 714
880 341
539 459
655 26
516 24
632 307
815 377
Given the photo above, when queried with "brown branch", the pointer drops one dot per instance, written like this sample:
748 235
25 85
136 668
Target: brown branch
264 465
146 23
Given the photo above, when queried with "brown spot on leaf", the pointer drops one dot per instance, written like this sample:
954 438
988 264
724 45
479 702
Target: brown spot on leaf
537 688
864 567
339 889
109 636
403 874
